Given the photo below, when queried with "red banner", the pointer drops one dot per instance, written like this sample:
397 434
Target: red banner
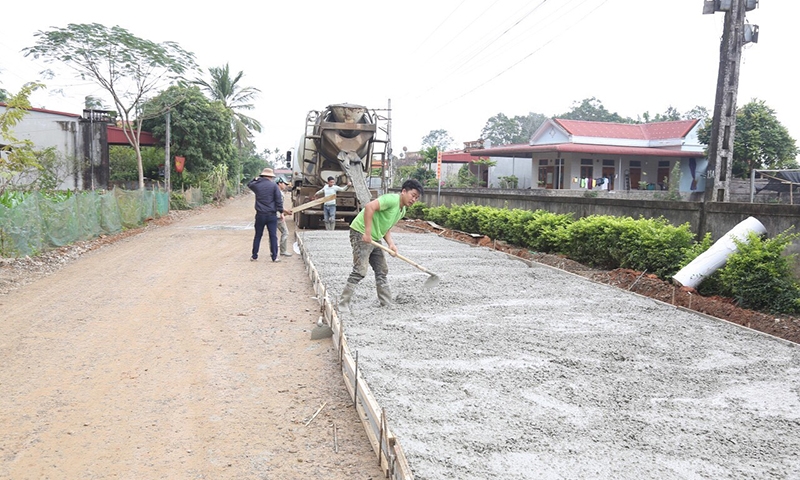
179 162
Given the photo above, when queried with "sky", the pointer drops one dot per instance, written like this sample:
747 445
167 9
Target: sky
444 64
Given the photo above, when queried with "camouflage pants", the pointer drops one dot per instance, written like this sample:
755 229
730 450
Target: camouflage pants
364 256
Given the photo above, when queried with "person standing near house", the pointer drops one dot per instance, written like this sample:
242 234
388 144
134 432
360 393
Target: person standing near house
329 207
374 223
283 229
269 202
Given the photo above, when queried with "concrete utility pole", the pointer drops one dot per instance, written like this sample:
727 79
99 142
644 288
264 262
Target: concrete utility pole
167 167
723 127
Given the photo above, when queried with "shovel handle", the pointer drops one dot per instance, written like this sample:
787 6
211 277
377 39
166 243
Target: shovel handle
397 255
313 203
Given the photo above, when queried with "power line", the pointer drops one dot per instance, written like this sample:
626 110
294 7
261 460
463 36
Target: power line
523 58
438 26
453 71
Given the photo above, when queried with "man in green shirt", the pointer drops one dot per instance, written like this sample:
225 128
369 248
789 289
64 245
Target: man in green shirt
374 222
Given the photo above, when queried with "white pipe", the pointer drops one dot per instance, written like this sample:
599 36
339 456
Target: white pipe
715 257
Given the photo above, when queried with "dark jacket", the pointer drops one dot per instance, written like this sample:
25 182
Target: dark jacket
269 198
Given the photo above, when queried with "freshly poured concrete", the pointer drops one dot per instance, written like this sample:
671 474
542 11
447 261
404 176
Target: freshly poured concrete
506 370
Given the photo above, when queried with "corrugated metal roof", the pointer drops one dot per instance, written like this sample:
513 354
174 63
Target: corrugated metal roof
117 137
462 157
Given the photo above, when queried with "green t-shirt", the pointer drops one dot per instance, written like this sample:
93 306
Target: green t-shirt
384 219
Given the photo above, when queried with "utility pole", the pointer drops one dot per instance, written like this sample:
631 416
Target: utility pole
723 126
167 166
387 159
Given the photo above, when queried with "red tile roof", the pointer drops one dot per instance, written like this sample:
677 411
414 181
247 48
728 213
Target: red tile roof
635 131
524 150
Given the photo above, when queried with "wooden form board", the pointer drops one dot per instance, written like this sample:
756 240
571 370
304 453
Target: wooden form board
392 458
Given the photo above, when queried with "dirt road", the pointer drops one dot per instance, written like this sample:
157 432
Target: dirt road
170 355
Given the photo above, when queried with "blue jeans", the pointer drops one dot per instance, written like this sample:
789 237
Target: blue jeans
270 220
329 212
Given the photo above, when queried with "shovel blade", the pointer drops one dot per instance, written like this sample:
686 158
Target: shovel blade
318 333
431 282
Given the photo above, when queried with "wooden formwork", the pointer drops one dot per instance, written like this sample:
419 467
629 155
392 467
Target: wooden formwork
391 457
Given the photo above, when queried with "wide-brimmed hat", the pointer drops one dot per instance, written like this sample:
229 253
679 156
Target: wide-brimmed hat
267 172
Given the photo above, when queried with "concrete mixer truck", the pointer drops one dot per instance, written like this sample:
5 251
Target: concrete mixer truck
341 141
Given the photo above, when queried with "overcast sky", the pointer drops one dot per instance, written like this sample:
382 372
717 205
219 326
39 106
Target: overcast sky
445 64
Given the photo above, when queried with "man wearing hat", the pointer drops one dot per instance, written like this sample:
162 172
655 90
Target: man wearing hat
269 202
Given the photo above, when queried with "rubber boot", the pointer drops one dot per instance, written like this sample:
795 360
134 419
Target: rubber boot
385 295
345 296
331 225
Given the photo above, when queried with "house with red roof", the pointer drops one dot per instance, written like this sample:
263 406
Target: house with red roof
583 155
454 160
80 142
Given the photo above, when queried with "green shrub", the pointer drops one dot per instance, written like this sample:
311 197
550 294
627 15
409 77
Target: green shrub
655 245
436 214
595 240
546 231
177 201
465 218
416 210
759 276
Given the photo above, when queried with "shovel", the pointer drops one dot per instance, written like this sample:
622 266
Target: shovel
431 282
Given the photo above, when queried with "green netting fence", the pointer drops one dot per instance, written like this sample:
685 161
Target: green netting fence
38 222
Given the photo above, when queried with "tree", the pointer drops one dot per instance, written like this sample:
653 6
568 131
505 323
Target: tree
501 130
90 102
16 155
437 138
760 141
127 67
592 109
235 98
200 129
698 112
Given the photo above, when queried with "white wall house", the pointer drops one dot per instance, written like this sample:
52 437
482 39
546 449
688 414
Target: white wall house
80 144
575 154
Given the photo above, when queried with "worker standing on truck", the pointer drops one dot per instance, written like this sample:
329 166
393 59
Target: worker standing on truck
329 207
269 201
374 223
283 229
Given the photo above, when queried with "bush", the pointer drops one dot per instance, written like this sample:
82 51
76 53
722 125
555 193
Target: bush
465 218
436 214
178 202
546 231
417 210
656 246
759 276
596 240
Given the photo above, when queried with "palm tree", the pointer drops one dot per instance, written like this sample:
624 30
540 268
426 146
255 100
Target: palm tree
235 98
